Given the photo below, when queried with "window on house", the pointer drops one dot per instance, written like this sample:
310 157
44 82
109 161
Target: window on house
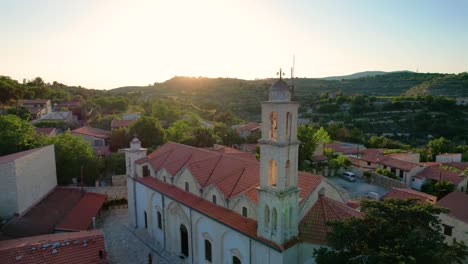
214 199
273 125
244 211
146 220
98 143
101 254
236 260
447 230
401 173
159 220
187 187
208 250
288 124
368 163
164 178
273 171
146 171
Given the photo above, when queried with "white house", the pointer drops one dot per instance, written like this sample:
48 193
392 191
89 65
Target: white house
455 223
25 178
209 206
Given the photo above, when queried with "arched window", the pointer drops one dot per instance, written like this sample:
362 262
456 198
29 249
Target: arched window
244 211
159 220
184 246
287 173
236 260
214 199
267 215
274 219
208 250
273 173
164 178
187 187
288 124
273 125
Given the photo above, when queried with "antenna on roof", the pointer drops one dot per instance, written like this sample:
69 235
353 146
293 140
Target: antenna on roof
292 75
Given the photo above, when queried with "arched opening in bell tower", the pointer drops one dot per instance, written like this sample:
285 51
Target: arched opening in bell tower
272 173
273 125
288 124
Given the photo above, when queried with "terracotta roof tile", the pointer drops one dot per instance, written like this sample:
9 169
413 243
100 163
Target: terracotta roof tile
457 203
400 193
379 158
345 149
121 123
459 165
435 173
52 210
91 131
313 228
249 127
74 247
81 215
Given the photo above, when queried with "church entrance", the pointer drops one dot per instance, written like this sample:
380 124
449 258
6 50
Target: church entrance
184 240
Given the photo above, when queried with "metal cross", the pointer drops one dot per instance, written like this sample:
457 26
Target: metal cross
280 73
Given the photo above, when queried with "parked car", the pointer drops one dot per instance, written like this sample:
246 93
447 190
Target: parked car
349 176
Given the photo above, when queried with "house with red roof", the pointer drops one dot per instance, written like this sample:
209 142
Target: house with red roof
247 129
76 247
216 205
37 107
436 173
455 222
404 193
116 124
97 138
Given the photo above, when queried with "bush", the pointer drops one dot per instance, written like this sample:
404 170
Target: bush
386 173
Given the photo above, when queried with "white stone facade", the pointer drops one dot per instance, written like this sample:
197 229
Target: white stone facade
26 179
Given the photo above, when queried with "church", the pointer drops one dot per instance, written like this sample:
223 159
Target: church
221 205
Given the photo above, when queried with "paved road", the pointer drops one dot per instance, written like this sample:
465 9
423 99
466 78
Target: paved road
359 188
127 245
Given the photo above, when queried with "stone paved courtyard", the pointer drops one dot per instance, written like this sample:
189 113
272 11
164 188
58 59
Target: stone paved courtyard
127 245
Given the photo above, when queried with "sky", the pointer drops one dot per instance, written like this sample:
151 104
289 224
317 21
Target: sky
104 44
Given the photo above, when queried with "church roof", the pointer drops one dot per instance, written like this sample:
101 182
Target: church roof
231 173
313 227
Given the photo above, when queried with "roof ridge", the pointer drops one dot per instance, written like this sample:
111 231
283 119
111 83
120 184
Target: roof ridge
237 182
214 168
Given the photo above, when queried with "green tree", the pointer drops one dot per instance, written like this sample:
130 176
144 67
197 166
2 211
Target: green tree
7 90
102 122
440 145
310 136
228 135
71 153
179 131
17 135
202 137
120 138
438 188
149 131
391 231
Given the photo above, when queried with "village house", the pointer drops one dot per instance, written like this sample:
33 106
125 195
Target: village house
116 124
66 117
435 173
404 193
97 138
73 106
217 206
449 157
246 130
37 107
455 222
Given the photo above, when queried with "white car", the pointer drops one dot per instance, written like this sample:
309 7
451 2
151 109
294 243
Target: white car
349 176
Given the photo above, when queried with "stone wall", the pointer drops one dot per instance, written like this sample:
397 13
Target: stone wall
112 192
384 181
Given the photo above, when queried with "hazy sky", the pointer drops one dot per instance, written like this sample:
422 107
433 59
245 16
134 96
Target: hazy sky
106 44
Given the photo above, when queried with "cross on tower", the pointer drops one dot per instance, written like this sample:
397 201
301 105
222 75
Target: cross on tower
280 73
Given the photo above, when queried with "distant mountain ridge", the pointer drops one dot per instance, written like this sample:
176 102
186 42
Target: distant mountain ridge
358 75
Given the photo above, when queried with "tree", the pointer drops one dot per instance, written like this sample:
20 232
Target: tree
438 188
440 145
310 136
71 153
179 131
201 137
149 131
391 231
17 135
120 138
7 90
228 135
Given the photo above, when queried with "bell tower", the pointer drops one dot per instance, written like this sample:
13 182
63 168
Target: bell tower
278 195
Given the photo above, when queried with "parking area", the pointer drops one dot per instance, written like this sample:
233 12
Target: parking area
359 188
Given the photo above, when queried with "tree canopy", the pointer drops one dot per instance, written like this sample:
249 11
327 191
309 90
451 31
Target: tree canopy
16 135
392 231
149 131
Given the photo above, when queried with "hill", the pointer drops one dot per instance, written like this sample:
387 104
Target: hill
354 75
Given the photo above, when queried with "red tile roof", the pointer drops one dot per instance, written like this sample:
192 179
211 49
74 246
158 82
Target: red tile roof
342 148
435 173
81 216
224 216
379 158
121 123
74 247
249 127
48 131
52 210
17 155
429 163
313 228
400 193
231 174
457 203
91 131
459 165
